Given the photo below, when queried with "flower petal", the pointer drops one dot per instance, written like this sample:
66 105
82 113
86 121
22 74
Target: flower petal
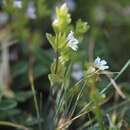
103 62
72 41
55 21
74 47
103 67
97 60
63 6
70 36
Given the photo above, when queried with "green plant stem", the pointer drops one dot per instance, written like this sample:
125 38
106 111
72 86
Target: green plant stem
5 123
31 79
98 114
116 77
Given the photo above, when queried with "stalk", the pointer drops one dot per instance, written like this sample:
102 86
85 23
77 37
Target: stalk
31 80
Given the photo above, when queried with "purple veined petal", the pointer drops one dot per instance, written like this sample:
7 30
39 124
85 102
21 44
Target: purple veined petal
73 41
97 60
70 36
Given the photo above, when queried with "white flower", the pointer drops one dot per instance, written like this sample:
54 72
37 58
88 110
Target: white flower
77 72
100 64
55 22
17 4
31 11
64 6
72 41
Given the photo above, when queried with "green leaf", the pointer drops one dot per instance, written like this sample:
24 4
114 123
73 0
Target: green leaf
54 79
23 96
51 40
26 119
8 114
41 67
7 104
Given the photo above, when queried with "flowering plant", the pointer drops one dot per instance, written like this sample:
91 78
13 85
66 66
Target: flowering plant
66 44
77 94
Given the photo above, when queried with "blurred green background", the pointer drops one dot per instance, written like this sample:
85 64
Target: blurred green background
22 35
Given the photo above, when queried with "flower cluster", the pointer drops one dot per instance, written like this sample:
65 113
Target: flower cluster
62 8
63 41
62 19
98 64
72 41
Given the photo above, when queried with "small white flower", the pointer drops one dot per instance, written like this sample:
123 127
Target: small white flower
31 11
73 42
100 64
17 4
77 72
55 22
64 6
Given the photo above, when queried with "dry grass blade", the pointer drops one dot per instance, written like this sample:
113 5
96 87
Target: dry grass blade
110 122
116 77
80 115
117 87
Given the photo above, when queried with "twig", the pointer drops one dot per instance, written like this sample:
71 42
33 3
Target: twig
31 80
